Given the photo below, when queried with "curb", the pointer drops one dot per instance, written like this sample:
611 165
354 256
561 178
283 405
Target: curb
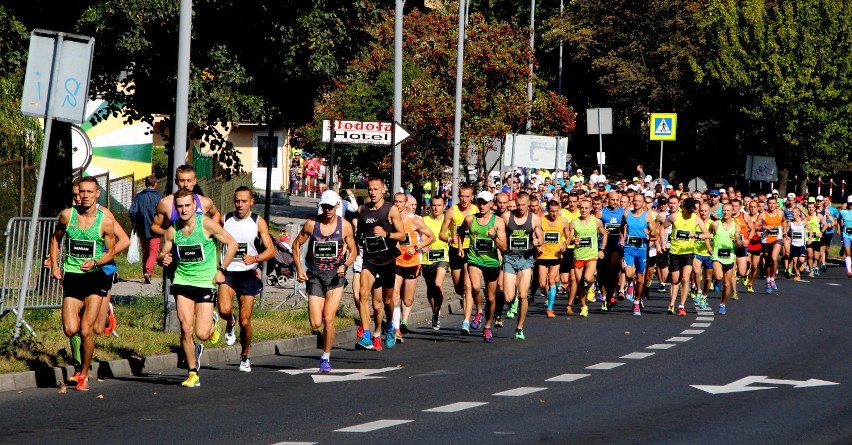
57 376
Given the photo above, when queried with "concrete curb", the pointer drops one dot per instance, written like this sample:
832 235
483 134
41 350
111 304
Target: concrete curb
57 376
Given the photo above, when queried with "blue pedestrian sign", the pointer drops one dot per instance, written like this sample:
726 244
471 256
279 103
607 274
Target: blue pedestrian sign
663 126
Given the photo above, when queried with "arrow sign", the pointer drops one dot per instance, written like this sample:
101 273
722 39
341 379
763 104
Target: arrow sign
742 385
341 375
399 133
363 132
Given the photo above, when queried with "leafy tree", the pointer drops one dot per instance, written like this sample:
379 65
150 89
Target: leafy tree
20 136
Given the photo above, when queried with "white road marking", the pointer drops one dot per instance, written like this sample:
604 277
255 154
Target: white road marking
517 392
832 284
692 332
372 426
704 318
705 312
605 365
454 407
804 281
295 443
661 346
637 355
700 325
567 378
680 339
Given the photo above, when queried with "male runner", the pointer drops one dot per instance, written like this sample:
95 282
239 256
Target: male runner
241 276
637 227
726 238
523 230
774 228
554 242
686 228
845 220
166 210
435 260
417 236
584 231
459 242
798 234
611 216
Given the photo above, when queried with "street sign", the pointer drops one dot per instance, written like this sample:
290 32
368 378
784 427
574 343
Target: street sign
341 375
598 120
56 83
663 126
363 132
742 385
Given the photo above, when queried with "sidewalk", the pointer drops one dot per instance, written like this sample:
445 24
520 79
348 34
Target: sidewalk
274 297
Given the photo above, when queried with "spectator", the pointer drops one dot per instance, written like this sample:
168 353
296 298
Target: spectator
142 212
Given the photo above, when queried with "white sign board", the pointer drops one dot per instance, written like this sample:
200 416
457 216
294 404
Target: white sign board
599 121
363 132
66 81
532 151
761 168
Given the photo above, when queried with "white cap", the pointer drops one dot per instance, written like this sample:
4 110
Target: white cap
820 198
329 197
723 191
485 196
649 193
670 187
849 199
579 170
774 192
648 178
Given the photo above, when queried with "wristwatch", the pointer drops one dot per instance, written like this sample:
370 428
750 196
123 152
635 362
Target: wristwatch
417 248
223 270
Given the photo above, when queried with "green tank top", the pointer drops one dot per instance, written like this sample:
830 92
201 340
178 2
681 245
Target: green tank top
196 256
723 245
813 231
587 246
681 244
483 249
82 244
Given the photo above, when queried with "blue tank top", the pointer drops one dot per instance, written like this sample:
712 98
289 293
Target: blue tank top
611 219
788 214
636 226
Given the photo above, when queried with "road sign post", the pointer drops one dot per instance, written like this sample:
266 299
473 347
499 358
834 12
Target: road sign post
599 122
663 128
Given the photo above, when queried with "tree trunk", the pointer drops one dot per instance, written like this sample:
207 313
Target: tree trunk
783 174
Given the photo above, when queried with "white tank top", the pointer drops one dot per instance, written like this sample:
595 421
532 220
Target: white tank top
797 233
244 231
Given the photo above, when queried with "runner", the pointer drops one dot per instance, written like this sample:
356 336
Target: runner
196 276
417 236
584 231
523 230
459 243
726 239
686 228
797 242
845 220
755 247
702 266
814 224
738 215
830 214
167 211
331 250
241 278
774 228
435 261
554 242
611 216
487 236
567 275
636 229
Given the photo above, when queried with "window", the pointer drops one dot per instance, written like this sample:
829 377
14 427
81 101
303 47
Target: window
264 144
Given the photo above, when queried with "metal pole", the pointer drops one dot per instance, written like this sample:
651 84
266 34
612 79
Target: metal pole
661 159
532 54
600 144
42 166
329 173
457 125
512 173
559 81
396 183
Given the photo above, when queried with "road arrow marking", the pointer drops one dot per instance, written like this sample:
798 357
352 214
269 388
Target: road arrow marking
742 385
341 375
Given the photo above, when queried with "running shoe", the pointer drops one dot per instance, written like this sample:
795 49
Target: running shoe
722 310
848 274
703 303
681 311
199 349
403 326
823 267
569 310
436 323
796 278
147 278
671 310
477 320
662 287
513 309
550 313
365 342
811 274
630 290
377 343
816 271
637 310
519 334
735 295
598 294
750 288
360 331
603 306
192 380
788 273
486 336
768 288
245 364
613 303
82 384
110 326
217 331
325 366
775 286
398 335
498 322
390 336
621 295
74 378
584 311
465 328
230 336
745 281
717 286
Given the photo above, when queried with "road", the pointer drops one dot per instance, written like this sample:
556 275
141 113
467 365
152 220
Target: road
610 378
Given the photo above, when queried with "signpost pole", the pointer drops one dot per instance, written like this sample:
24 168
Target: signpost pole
600 144
512 173
661 159
397 94
329 173
458 117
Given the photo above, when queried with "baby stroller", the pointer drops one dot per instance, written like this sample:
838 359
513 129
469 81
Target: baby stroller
282 267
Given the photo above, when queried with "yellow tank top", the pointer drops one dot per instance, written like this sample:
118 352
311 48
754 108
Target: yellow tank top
681 243
553 238
458 219
437 251
569 215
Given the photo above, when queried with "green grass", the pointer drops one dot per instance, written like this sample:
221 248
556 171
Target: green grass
140 328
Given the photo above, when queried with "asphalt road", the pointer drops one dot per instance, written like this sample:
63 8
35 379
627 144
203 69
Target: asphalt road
609 378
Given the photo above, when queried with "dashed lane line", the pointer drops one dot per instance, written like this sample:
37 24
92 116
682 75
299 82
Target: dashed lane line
567 378
692 332
454 407
680 339
637 355
372 426
605 365
517 392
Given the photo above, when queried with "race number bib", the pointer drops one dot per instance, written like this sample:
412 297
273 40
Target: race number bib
436 255
652 252
613 228
585 241
242 250
724 253
682 235
325 249
462 233
551 237
375 244
407 241
81 248
847 230
635 241
797 235
191 253
772 231
483 245
519 243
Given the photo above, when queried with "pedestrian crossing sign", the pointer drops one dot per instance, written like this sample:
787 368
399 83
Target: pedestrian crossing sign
663 126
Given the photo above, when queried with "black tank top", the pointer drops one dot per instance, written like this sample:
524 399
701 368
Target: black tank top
376 249
519 236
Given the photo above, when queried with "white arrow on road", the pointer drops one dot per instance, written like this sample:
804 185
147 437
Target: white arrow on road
341 375
742 385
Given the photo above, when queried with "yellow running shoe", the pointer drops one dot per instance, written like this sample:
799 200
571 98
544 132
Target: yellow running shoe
192 381
217 331
584 311
590 294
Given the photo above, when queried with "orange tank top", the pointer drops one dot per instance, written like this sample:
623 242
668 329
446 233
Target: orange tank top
404 260
771 227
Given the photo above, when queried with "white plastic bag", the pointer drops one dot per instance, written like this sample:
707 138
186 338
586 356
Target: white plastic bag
133 252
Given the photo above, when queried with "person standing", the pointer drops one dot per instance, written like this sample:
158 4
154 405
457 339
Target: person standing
91 245
142 212
241 276
331 250
196 277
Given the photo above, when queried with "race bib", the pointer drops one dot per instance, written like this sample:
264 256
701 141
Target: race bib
191 253
519 243
242 250
551 237
635 241
682 235
462 233
585 241
436 255
407 241
483 245
375 244
847 230
798 235
613 228
724 253
772 231
325 249
81 248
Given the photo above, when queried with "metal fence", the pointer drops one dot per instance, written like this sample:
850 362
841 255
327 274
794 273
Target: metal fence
16 183
43 292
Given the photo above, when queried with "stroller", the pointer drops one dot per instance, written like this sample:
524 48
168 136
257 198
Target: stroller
282 267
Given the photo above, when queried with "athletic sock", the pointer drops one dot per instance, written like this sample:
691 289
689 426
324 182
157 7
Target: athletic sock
500 301
551 296
848 264
326 355
397 313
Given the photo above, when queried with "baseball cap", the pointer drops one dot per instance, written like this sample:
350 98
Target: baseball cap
723 192
648 178
811 199
774 192
713 193
649 193
579 170
820 198
670 187
791 195
329 197
485 196
635 178
849 199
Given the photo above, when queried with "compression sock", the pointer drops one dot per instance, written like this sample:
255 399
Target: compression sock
551 296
